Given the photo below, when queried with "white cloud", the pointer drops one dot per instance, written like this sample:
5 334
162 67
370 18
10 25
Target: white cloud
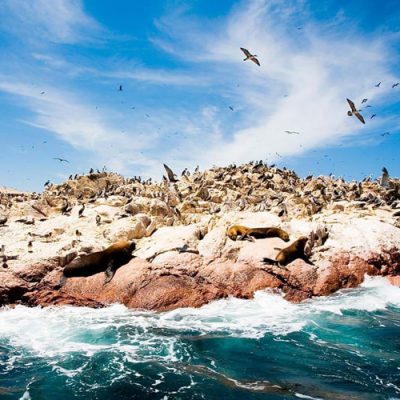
80 125
59 21
302 84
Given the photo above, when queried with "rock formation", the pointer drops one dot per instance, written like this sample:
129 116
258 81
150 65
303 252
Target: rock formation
183 255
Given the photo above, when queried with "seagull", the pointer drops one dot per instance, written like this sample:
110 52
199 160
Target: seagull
170 173
250 56
364 101
378 84
395 84
292 133
354 111
60 159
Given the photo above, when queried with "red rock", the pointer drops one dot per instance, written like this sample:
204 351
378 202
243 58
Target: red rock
11 288
188 280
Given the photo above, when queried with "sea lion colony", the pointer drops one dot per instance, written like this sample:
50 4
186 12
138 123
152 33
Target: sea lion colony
254 186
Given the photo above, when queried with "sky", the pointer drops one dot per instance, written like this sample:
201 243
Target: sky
187 97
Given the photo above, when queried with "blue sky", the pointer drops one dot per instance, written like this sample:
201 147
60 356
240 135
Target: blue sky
180 66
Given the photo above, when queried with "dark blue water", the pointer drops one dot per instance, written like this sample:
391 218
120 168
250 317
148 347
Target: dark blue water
343 347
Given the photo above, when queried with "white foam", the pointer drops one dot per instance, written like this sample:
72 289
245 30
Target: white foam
56 332
26 396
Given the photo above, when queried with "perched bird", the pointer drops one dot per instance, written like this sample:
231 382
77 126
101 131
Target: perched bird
385 177
3 220
78 234
80 212
98 219
60 159
378 84
364 101
183 249
170 173
395 84
66 208
373 116
250 56
30 245
46 183
91 171
354 111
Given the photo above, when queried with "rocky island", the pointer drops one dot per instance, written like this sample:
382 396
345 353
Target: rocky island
183 256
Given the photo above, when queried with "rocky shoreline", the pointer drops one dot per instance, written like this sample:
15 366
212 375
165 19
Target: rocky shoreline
183 256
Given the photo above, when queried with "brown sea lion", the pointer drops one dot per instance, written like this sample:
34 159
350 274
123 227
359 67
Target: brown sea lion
108 261
240 232
290 253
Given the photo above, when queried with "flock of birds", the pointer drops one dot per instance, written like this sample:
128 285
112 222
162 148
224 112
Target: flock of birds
353 109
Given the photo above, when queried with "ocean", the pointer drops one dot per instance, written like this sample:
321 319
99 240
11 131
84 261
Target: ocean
346 346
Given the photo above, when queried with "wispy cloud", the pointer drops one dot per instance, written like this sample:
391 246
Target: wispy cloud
302 84
78 124
60 21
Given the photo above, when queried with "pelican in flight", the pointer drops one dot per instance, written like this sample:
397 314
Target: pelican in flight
250 56
354 111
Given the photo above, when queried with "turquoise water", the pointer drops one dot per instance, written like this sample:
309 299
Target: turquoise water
346 346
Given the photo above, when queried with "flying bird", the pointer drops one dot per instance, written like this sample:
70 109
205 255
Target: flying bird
354 111
385 134
292 133
395 84
364 101
373 116
378 84
231 108
60 159
170 173
250 56
120 88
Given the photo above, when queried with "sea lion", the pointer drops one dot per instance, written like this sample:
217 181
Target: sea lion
108 261
243 232
290 253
